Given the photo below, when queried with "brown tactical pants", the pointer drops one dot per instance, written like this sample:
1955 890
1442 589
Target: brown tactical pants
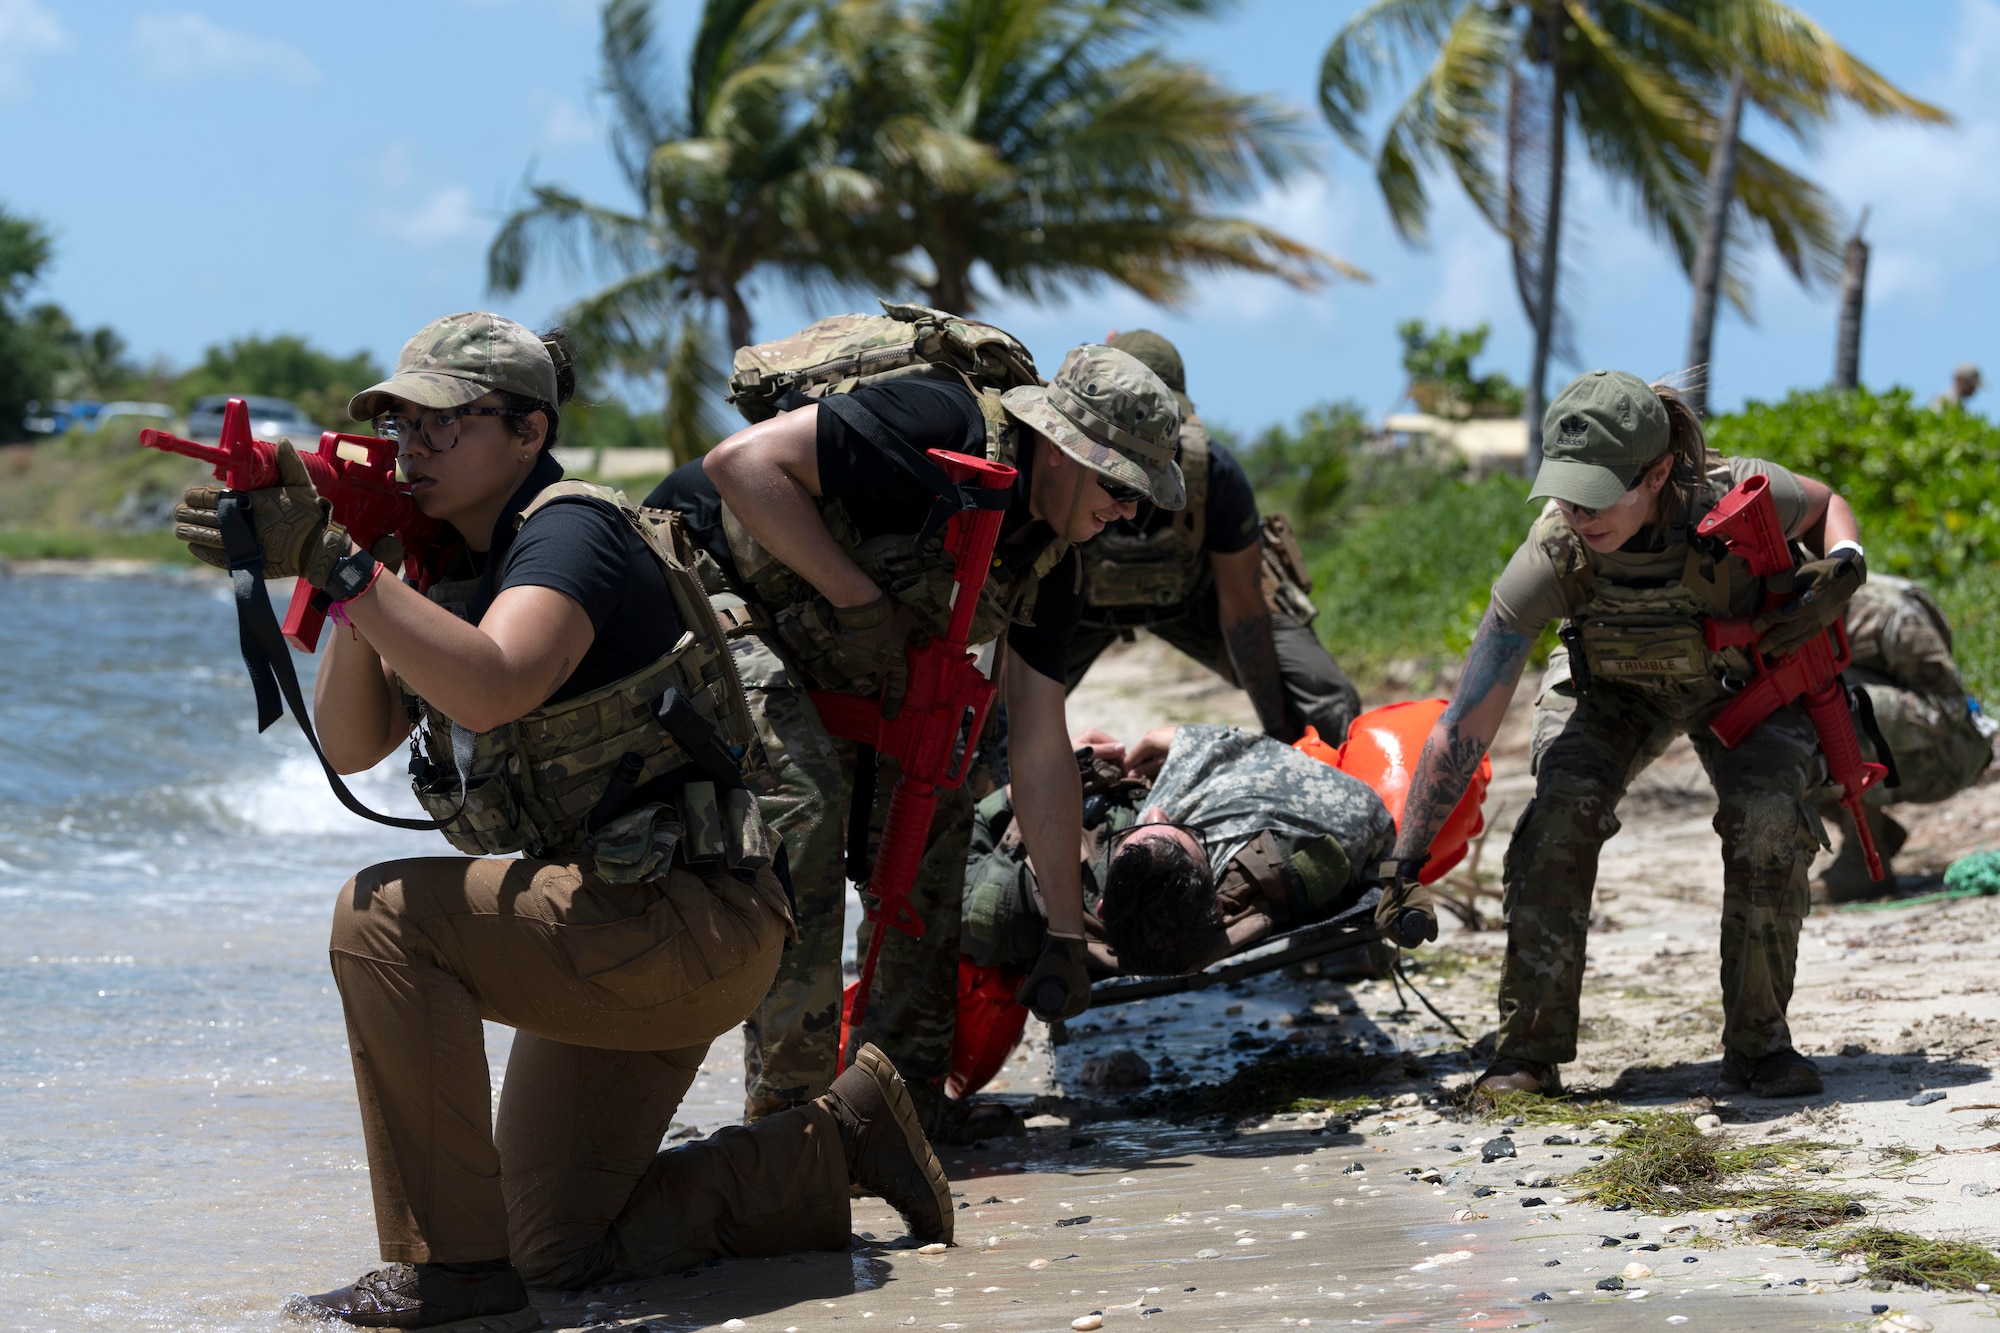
616 991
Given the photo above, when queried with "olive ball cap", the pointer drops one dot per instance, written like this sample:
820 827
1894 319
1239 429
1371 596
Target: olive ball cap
1597 436
1107 411
461 358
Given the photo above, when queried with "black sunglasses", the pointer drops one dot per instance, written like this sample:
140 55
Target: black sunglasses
1118 492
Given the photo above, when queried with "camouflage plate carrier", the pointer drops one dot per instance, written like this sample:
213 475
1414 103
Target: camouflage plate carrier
1645 633
1132 576
834 357
535 784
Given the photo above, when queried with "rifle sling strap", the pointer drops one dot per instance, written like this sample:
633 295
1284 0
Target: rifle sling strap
951 497
269 662
1864 712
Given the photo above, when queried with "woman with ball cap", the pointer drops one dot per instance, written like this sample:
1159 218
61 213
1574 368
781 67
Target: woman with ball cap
1627 476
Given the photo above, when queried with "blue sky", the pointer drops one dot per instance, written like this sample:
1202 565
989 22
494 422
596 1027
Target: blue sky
215 169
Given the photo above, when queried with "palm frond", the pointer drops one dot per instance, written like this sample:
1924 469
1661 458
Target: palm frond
582 236
1372 46
696 375
1454 114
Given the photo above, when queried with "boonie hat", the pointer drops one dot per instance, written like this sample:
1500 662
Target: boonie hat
1159 356
459 358
1596 436
1110 413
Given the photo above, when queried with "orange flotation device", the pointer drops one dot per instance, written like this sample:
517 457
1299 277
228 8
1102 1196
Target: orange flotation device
1381 749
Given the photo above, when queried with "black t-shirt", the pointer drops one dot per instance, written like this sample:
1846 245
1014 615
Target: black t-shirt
884 496
588 552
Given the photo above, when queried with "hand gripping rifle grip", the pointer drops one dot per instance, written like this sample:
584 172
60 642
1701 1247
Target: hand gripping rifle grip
1746 521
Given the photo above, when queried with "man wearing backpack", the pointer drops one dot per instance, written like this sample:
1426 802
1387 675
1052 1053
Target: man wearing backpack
1213 581
820 528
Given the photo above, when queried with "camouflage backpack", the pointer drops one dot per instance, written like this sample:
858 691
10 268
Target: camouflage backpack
839 354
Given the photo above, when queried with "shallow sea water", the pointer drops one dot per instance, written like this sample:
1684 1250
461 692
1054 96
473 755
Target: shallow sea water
179 1145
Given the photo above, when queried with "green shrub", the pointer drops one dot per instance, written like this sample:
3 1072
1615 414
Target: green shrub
1411 581
1925 484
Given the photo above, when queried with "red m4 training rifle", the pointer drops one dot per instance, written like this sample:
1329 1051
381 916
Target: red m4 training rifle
356 473
1746 521
933 735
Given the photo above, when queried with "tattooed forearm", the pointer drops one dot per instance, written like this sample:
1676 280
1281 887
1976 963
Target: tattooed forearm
1460 738
1254 653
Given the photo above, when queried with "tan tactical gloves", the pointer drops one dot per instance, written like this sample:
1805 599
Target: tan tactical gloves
872 640
1407 913
294 526
1818 589
1059 985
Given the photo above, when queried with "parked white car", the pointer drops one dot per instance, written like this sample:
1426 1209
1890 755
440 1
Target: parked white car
270 419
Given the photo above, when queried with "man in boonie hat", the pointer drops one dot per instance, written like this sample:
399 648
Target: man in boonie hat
1215 581
1107 411
820 518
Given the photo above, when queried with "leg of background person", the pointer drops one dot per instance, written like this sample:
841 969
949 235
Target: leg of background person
913 1006
1769 838
791 1041
1318 693
1085 647
1551 865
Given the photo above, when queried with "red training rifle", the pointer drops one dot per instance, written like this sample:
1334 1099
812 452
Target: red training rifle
1746 521
357 473
933 735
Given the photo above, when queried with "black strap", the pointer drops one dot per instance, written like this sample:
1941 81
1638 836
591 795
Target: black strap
952 498
269 662
860 806
1863 708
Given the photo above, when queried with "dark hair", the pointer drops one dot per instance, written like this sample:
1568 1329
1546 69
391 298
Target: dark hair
1687 445
563 353
1159 908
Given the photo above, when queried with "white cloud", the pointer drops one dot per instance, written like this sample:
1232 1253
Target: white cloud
564 125
26 30
185 49
444 215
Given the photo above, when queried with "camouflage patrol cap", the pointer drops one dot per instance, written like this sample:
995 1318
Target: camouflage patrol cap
1159 356
459 358
1111 414
1597 436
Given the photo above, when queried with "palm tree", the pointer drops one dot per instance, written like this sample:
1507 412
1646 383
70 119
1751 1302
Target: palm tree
1508 81
1045 143
733 174
1776 59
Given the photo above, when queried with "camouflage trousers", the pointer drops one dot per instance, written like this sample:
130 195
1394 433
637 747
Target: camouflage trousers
791 1040
1586 751
1939 752
1317 692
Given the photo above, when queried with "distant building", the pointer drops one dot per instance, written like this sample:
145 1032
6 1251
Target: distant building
1487 444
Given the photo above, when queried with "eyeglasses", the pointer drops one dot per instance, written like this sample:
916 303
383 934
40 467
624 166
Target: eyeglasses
1118 492
436 431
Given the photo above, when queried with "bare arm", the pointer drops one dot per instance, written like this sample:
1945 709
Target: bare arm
481 676
769 475
1828 520
1461 737
1246 632
1048 797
